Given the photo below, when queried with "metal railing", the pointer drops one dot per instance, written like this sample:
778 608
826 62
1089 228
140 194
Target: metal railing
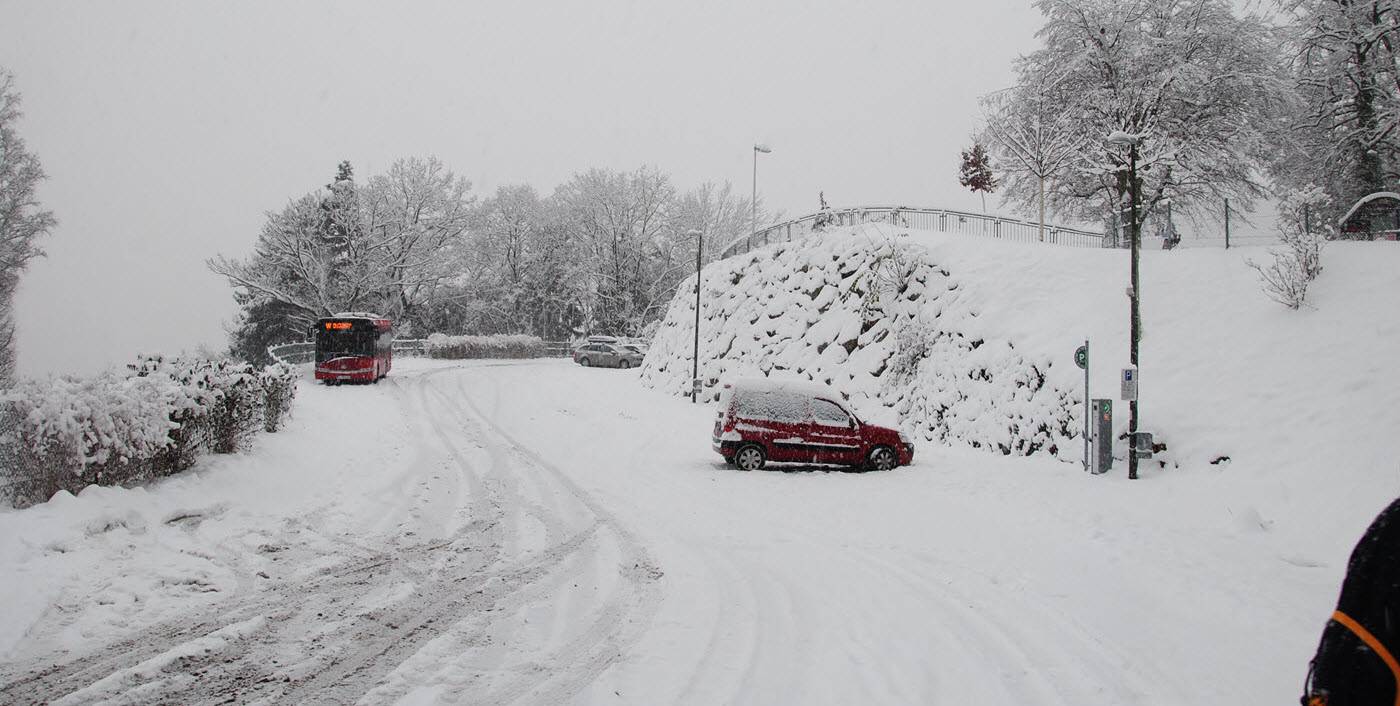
292 353
935 219
298 353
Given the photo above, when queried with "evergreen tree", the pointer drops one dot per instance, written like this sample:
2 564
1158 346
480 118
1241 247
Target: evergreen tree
976 172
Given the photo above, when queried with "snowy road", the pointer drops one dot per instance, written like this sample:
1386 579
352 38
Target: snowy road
536 532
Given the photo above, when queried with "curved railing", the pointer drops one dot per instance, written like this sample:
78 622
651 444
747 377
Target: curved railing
936 219
298 353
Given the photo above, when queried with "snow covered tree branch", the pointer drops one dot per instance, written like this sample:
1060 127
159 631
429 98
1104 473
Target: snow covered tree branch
23 219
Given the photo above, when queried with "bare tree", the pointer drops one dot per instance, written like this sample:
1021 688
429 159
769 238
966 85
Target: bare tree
1345 136
382 247
1031 134
411 216
22 219
623 219
1198 87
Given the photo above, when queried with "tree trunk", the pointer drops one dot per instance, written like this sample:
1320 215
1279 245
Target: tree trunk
1042 209
1368 171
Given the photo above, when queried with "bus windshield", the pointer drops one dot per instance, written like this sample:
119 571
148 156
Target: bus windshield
332 344
335 339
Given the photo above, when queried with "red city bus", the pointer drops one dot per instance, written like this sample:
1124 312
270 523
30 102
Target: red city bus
354 347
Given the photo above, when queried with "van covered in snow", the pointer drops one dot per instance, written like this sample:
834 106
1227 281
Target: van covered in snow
761 420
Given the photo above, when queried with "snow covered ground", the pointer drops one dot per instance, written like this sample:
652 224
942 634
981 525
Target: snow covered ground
495 532
536 532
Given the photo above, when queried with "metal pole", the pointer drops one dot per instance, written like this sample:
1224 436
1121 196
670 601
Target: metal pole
753 199
1088 416
1227 224
1136 235
695 358
753 196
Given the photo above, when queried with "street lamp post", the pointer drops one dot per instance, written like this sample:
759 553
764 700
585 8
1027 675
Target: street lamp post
695 358
1132 142
753 198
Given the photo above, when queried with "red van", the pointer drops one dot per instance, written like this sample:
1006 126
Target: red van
764 420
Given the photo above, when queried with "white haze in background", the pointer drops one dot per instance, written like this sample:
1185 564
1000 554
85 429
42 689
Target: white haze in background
168 129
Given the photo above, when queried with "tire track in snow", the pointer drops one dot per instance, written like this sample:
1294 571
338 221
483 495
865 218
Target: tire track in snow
469 580
1059 661
581 636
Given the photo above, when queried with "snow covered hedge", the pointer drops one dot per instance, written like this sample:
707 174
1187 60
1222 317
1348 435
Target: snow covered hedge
874 316
499 346
152 420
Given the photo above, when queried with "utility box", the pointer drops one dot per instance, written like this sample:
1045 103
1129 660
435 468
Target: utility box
1142 444
1102 427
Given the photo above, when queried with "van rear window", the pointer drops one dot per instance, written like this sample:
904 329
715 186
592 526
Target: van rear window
771 405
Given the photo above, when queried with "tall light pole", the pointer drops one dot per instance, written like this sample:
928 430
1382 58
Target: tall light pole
695 358
753 199
1132 142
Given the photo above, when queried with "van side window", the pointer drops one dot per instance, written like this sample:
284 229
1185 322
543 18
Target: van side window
829 414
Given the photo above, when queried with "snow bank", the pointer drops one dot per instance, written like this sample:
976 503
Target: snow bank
153 419
883 321
1229 380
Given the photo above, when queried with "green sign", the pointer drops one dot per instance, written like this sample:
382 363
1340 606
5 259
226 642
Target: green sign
1081 356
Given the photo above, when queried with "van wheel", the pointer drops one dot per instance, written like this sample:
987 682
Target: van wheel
623 364
749 457
882 458
583 362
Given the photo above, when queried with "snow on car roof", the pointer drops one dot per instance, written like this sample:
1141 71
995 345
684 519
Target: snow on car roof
803 387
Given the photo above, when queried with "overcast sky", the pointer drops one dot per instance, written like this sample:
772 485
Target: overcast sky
169 129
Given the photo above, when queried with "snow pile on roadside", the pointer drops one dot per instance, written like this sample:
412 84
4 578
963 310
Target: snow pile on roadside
878 318
118 427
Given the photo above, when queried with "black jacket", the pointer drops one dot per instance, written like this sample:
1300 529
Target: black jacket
1354 665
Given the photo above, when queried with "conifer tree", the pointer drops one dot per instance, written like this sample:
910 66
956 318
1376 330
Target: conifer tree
976 172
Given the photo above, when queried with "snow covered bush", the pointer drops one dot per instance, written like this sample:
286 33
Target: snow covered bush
1299 261
875 317
154 419
279 383
498 346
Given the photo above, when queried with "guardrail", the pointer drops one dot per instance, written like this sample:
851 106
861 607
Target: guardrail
936 219
292 353
298 353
